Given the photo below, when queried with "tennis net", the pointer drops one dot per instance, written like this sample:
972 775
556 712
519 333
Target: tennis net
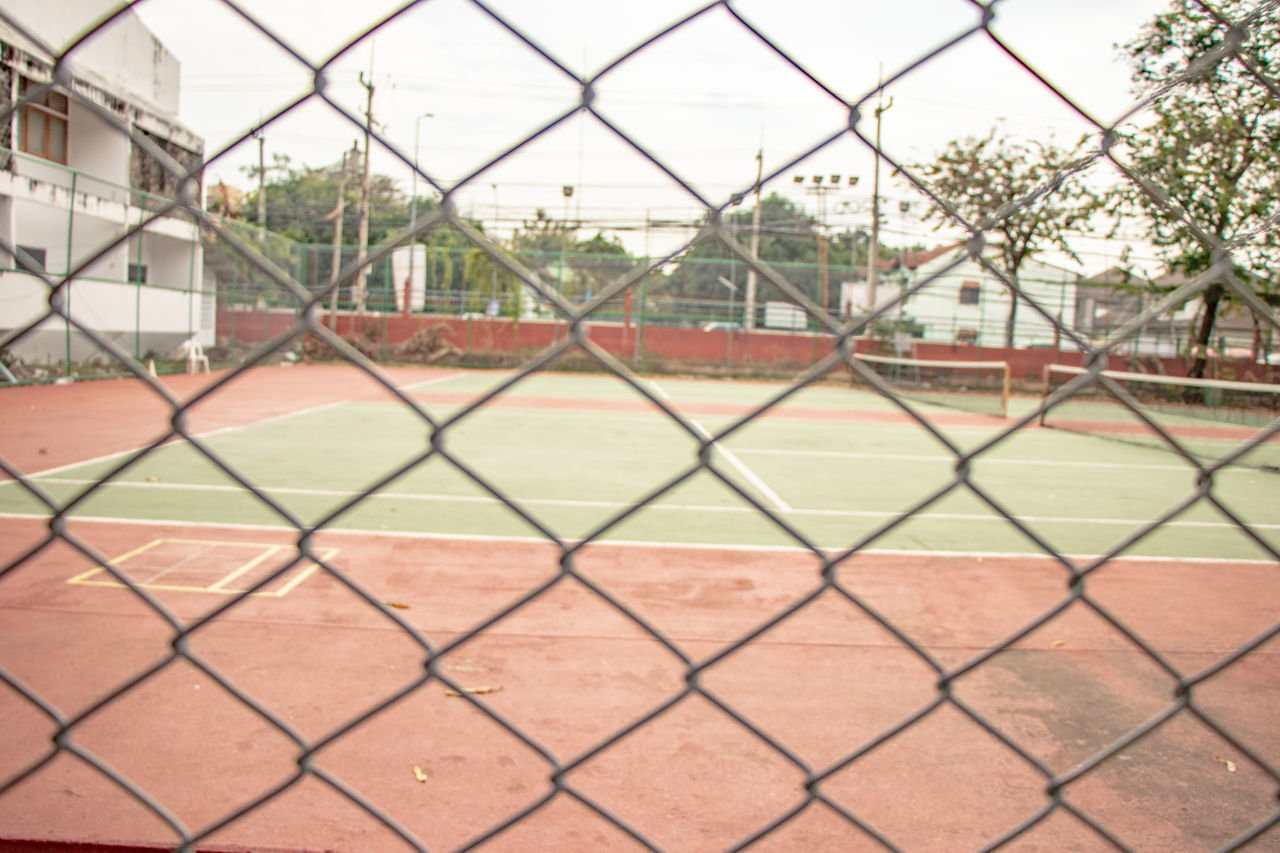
1209 418
972 386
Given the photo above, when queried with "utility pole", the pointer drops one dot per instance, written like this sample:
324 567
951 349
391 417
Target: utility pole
749 301
338 212
873 257
362 275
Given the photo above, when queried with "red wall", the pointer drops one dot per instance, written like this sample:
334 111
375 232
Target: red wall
670 343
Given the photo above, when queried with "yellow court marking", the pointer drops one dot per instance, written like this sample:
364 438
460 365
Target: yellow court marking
258 560
222 584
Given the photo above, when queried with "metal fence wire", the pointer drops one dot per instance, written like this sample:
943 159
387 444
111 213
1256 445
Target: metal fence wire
1184 685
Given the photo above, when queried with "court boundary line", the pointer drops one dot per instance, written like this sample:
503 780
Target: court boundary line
176 439
752 477
638 544
990 460
561 502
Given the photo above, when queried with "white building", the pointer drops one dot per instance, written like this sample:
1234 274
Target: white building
73 182
964 303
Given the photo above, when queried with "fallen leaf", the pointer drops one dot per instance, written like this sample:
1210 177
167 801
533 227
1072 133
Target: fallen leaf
1056 643
42 452
153 479
1231 765
479 691
418 774
397 605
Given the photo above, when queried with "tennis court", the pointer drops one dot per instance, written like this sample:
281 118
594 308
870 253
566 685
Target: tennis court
574 453
706 673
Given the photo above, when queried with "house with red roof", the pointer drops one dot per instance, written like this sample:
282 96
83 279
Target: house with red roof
945 295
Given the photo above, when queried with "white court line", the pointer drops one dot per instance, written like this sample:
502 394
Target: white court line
220 430
238 427
174 439
485 499
642 545
763 487
657 389
982 460
411 386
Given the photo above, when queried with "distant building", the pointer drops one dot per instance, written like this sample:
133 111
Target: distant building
1113 298
73 180
962 302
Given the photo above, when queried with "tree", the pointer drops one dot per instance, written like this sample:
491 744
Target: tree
544 234
588 265
788 241
300 203
300 207
1213 146
1023 191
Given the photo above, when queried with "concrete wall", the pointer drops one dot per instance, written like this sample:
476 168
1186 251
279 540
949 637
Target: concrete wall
126 56
98 149
671 348
137 319
81 209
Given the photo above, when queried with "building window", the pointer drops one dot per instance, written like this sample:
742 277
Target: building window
970 293
37 255
138 273
42 123
966 336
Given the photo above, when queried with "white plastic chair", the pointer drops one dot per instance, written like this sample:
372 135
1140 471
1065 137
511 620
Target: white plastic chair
196 359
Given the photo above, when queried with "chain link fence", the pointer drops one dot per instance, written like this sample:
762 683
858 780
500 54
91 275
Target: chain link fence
1225 46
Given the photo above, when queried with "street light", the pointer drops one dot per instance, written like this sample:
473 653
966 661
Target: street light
413 208
493 293
567 192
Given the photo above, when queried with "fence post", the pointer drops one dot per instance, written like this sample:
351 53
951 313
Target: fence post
235 308
466 357
66 320
638 359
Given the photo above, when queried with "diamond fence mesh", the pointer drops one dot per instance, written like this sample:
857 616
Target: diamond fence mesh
1230 272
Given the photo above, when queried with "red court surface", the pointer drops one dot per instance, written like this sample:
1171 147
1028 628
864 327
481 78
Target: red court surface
569 670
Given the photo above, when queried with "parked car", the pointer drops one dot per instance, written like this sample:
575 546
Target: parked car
721 326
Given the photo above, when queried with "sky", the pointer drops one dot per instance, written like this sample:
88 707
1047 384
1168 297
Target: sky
701 100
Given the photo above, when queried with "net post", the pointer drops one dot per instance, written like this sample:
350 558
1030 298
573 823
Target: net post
1044 392
1004 392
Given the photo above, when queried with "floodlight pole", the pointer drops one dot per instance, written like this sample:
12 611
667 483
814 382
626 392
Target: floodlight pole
567 192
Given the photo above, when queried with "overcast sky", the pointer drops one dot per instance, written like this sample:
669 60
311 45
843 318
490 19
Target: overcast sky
701 100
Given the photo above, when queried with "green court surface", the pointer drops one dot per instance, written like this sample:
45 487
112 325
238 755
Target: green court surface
576 453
